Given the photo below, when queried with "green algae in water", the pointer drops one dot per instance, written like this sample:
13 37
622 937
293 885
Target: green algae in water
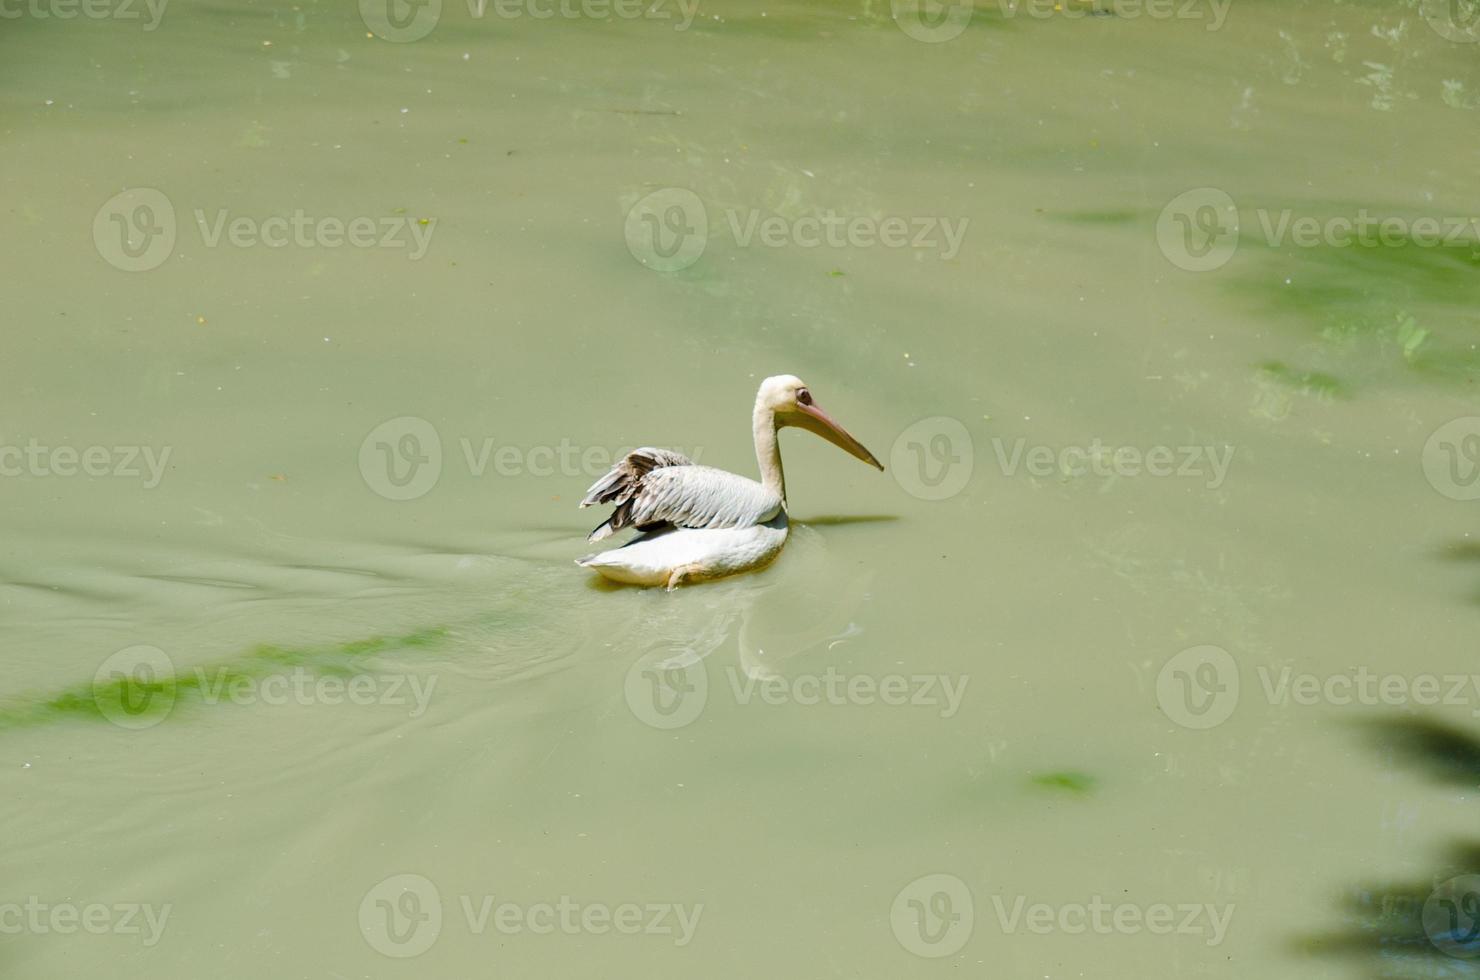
1397 304
1069 781
1316 383
1121 217
148 698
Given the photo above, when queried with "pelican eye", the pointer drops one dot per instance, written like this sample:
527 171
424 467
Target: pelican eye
804 397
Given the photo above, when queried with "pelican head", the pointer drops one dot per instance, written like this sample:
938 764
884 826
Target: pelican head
788 400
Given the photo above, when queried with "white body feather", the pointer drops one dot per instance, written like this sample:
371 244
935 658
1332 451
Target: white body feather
650 559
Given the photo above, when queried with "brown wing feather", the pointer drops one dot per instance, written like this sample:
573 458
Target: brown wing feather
623 483
624 478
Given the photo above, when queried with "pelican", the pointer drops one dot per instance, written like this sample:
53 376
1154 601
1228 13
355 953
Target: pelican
698 522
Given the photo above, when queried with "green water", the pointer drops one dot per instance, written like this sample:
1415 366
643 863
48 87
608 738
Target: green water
317 335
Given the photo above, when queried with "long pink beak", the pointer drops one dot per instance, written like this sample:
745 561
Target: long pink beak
814 419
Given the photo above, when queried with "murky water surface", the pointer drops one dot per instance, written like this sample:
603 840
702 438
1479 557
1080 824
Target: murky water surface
1149 656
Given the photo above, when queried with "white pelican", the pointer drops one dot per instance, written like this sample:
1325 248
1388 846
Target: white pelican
698 522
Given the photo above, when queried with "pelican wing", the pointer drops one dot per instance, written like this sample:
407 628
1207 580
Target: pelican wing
653 488
624 479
